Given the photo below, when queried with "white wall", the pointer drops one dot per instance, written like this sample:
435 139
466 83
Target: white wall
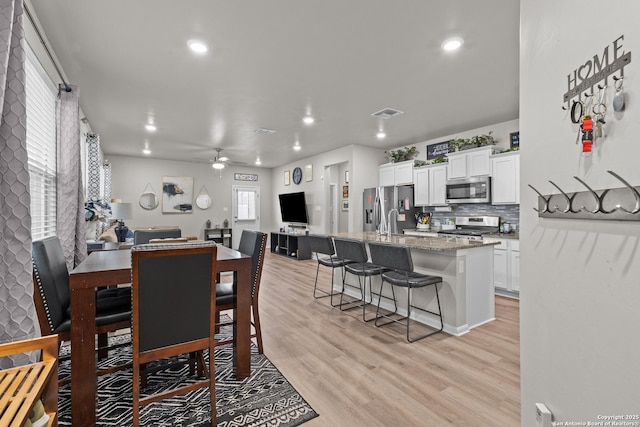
580 279
130 176
500 131
362 163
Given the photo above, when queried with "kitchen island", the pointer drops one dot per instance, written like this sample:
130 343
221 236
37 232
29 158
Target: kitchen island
466 267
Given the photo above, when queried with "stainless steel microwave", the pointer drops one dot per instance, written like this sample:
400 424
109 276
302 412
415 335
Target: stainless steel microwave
469 190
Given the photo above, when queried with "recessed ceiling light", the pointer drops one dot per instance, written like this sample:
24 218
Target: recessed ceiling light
308 120
381 135
452 44
297 147
150 127
146 151
198 46
258 162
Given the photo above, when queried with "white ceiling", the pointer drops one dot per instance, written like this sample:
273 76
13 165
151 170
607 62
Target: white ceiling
272 60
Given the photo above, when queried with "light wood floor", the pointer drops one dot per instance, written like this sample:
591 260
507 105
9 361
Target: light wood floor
354 374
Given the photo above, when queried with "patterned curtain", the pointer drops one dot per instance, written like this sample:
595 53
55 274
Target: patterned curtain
18 318
70 222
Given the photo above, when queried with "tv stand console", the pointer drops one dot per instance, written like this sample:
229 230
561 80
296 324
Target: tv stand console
294 246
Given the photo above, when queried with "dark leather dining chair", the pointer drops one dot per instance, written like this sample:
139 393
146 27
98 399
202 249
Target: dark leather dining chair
52 295
253 244
399 264
173 290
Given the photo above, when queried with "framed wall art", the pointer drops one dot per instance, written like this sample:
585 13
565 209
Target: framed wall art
177 194
287 177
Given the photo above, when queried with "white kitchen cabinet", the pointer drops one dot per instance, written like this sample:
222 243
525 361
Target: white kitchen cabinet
421 187
469 163
429 185
386 176
506 265
437 185
505 182
400 173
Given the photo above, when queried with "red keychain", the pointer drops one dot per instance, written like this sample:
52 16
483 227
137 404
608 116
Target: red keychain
587 134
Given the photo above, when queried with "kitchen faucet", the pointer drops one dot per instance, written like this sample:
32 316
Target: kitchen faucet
389 227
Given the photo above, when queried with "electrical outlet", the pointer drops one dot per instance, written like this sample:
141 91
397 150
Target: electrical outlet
543 415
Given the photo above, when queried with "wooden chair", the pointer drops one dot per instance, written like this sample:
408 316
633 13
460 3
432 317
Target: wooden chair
53 302
173 313
252 243
22 386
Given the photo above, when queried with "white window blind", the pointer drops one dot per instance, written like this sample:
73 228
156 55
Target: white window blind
41 147
246 205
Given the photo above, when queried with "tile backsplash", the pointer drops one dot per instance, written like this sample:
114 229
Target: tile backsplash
509 213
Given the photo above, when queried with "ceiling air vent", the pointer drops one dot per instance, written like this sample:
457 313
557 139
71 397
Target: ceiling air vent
265 131
387 113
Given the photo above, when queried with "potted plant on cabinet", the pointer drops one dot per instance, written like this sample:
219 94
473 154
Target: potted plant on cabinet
401 154
475 141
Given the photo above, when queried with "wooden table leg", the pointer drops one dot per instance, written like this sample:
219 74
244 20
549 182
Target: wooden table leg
242 331
83 362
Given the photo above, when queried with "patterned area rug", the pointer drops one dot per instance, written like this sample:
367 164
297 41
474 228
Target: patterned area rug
264 399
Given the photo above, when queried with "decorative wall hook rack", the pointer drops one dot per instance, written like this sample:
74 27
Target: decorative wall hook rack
617 204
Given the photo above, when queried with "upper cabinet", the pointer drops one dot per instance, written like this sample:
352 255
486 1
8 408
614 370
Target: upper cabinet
469 163
400 173
429 185
505 185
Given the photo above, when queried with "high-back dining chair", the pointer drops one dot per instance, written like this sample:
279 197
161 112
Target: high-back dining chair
173 291
253 244
53 300
397 259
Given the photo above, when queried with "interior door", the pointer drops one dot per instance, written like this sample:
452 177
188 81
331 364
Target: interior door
245 211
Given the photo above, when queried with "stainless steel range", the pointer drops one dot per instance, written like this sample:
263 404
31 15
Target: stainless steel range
473 227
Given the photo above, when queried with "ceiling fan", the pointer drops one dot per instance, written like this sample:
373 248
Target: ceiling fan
219 161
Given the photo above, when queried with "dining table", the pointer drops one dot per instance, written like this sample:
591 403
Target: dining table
109 268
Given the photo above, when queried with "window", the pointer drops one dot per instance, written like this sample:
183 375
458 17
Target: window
246 205
41 147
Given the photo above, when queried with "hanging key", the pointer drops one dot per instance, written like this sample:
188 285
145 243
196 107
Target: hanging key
599 124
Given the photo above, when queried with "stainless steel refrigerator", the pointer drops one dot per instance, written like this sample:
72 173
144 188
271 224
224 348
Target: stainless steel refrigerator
378 203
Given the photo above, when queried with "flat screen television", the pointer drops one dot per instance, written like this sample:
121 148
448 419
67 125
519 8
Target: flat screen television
293 208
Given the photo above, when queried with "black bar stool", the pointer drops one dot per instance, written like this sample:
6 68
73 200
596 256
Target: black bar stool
356 252
397 258
325 254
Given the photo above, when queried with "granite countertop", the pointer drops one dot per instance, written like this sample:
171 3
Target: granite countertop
440 244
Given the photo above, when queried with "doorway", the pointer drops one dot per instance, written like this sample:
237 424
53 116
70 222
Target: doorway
333 208
245 203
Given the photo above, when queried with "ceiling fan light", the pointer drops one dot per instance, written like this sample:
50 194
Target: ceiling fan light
223 159
452 44
217 165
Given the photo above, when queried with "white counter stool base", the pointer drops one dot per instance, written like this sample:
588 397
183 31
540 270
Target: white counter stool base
397 258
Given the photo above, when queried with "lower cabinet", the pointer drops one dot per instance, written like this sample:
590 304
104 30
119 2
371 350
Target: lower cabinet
506 265
294 246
